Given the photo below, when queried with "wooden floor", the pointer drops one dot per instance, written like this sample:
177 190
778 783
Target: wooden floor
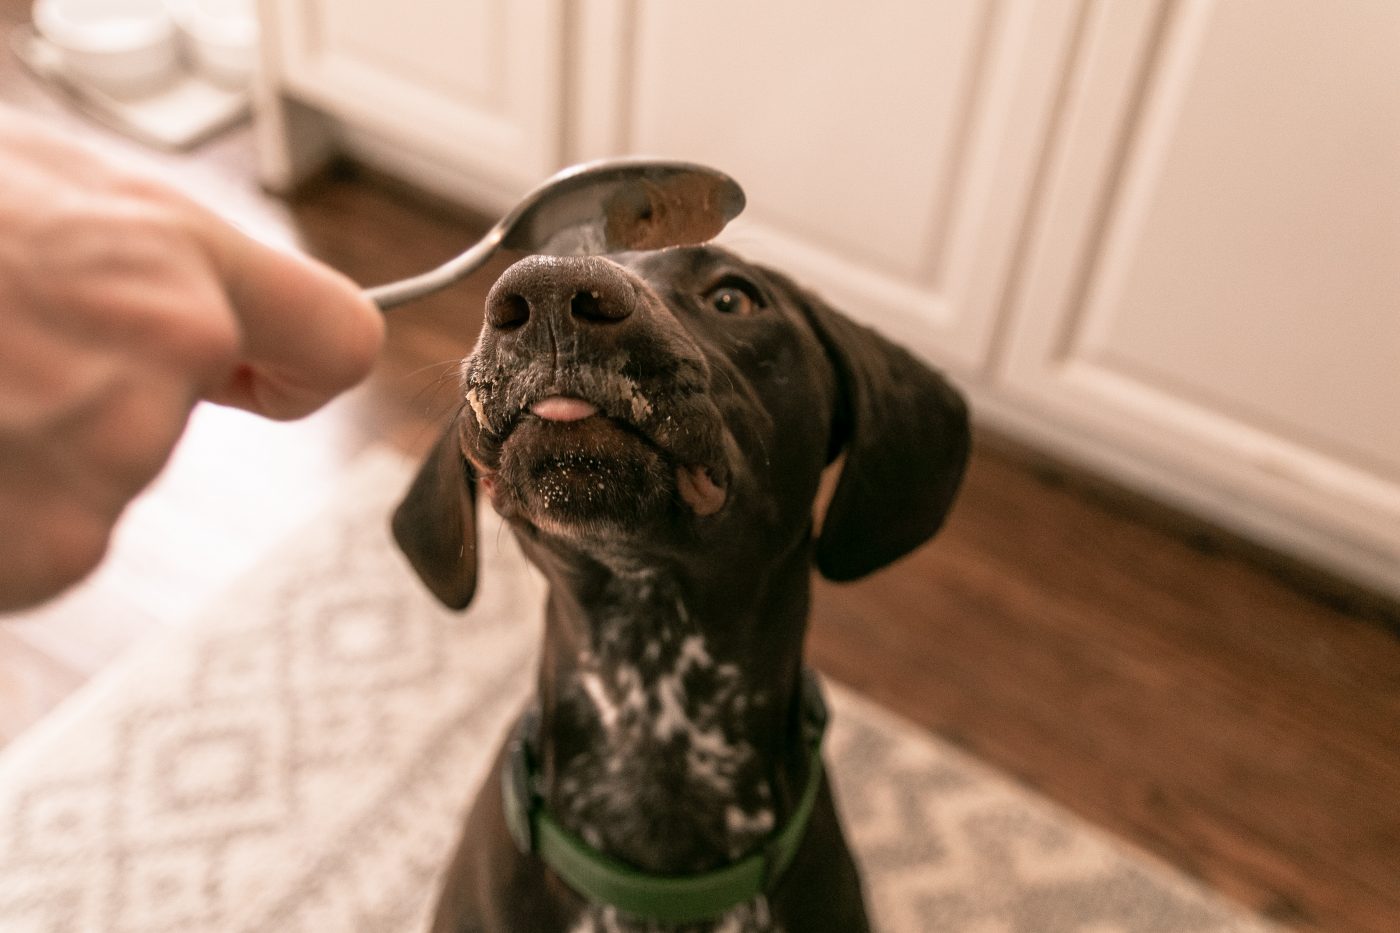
1235 716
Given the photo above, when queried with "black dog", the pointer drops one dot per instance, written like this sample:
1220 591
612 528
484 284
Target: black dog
653 426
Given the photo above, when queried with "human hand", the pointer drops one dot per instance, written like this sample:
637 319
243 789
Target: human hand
122 305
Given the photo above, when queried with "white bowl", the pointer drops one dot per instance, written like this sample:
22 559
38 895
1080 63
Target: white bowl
221 37
124 47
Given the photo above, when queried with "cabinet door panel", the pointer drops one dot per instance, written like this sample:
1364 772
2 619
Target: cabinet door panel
887 149
1214 284
474 84
783 94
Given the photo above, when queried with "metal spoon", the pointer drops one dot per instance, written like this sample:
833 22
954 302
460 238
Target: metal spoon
597 207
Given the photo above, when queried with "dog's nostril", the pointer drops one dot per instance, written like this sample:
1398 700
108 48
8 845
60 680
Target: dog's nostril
590 306
508 311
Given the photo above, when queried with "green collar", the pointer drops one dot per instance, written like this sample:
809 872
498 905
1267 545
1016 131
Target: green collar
661 898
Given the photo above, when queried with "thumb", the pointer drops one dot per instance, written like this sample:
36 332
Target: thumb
308 332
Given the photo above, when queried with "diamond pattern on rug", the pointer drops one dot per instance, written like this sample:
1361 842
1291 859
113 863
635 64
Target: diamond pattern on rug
945 843
300 760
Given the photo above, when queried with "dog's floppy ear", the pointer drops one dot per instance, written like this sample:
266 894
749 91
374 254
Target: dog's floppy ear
435 525
905 433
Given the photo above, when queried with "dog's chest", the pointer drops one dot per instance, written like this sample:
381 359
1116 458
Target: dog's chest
669 776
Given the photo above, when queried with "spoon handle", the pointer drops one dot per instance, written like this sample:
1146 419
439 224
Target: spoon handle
392 294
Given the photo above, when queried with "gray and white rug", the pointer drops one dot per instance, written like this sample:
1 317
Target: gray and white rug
299 760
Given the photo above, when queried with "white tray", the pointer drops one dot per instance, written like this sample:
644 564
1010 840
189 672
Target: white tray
179 116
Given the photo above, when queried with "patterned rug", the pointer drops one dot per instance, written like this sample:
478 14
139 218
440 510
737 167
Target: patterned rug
299 760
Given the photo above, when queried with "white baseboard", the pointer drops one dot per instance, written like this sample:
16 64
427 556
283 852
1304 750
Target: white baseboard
1248 517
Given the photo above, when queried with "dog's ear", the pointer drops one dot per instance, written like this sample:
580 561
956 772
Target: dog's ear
905 433
435 525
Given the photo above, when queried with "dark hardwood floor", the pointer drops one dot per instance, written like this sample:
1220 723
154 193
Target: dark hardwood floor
1165 687
1234 714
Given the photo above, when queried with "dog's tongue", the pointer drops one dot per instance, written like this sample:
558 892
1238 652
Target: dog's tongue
563 408
698 490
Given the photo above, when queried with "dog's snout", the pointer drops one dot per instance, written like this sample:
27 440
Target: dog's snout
561 291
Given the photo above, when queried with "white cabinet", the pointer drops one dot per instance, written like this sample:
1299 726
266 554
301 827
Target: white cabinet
888 150
467 92
1161 238
1210 300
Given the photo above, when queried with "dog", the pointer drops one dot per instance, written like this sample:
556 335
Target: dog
654 427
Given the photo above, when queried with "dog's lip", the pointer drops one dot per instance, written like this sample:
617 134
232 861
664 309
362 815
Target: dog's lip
702 480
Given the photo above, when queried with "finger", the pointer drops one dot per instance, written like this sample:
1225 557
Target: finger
47 544
309 333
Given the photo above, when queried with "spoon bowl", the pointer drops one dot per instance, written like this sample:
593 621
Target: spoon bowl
607 206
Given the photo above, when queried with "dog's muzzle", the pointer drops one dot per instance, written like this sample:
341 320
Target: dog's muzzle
588 374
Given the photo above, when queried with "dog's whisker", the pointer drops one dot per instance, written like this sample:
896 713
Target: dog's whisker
448 365
432 389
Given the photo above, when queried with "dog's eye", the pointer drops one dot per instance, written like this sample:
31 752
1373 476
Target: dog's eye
734 296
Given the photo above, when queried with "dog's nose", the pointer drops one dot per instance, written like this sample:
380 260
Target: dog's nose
561 292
